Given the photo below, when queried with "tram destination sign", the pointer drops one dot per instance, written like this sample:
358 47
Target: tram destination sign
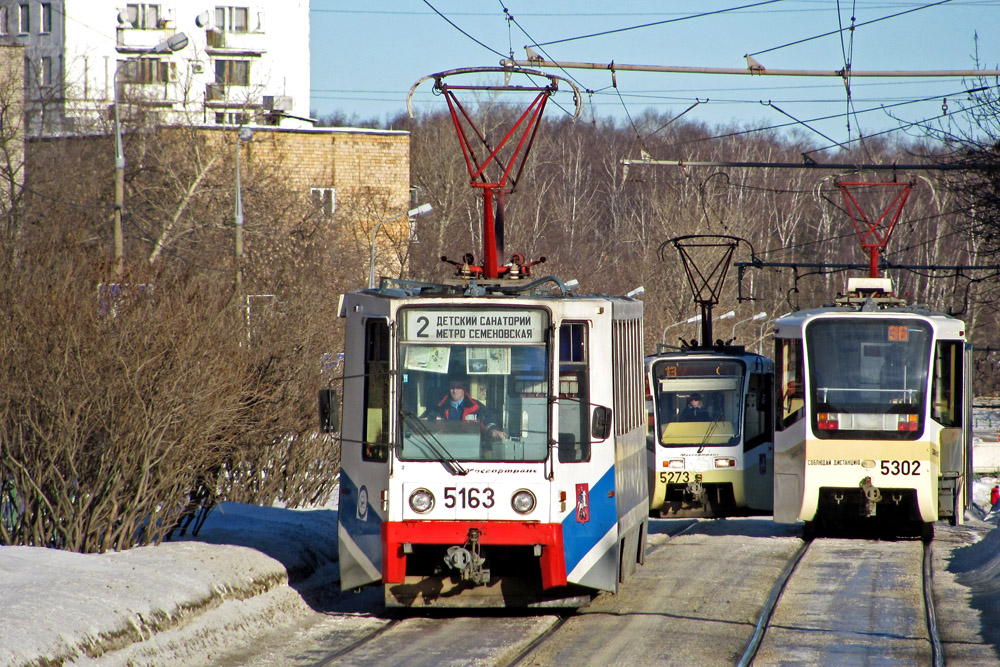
487 327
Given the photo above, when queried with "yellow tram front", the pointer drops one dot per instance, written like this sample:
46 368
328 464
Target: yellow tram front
710 433
870 417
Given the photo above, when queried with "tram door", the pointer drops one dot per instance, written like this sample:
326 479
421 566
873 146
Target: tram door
758 441
364 453
949 398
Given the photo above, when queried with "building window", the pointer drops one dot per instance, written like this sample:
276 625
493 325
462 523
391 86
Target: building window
24 19
46 18
3 21
232 72
232 118
146 70
144 17
233 19
152 70
324 203
46 71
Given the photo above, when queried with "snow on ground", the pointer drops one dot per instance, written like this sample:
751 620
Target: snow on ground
250 570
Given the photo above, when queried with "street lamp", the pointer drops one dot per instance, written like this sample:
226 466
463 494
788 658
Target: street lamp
246 134
690 320
174 43
759 316
423 209
760 339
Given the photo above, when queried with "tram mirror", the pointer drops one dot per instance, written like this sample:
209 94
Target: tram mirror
600 425
328 411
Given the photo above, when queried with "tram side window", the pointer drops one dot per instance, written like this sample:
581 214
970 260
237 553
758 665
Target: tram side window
376 405
574 398
790 394
946 406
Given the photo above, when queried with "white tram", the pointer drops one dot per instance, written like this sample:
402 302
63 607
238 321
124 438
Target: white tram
536 493
715 459
874 414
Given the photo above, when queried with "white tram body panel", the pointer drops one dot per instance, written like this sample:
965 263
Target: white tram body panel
536 494
872 416
719 459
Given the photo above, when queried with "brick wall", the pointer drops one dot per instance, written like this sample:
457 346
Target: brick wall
350 160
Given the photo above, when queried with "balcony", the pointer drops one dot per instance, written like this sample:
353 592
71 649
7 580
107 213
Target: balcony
224 42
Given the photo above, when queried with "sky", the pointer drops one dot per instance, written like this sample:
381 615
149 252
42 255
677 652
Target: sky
366 56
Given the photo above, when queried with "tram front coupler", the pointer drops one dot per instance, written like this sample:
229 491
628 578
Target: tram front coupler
696 490
467 561
872 496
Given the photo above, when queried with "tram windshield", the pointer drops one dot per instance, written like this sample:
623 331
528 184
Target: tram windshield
474 402
698 401
868 377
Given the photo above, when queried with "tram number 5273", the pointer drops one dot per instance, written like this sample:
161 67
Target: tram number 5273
675 477
468 498
900 467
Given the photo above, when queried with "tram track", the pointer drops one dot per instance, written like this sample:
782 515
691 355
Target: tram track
820 581
937 653
826 601
535 643
676 532
359 643
770 604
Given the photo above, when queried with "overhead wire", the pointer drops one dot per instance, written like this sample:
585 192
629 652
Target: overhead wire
511 20
455 26
779 126
657 23
853 27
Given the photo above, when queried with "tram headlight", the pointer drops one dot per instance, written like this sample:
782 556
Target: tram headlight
725 463
421 501
523 501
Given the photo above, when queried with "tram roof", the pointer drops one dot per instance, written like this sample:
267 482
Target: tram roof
542 290
947 324
545 288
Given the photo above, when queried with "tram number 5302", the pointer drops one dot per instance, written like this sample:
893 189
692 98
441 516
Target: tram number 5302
900 467
468 498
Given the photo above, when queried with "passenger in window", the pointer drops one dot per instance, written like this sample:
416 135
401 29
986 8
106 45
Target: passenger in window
457 405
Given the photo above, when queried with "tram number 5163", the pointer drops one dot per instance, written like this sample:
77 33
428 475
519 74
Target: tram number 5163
900 467
468 498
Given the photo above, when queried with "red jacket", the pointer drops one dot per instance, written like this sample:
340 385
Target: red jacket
995 495
470 406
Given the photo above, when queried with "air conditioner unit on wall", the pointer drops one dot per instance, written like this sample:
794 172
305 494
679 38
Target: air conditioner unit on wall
277 102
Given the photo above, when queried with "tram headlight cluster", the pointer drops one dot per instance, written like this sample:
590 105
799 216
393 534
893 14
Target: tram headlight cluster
421 501
725 463
523 501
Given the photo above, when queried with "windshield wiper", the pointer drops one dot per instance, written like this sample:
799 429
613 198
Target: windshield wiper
709 431
444 456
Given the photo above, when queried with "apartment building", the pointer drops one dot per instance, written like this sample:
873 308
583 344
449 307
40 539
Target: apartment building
181 61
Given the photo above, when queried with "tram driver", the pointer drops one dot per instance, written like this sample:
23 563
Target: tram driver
457 405
695 410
